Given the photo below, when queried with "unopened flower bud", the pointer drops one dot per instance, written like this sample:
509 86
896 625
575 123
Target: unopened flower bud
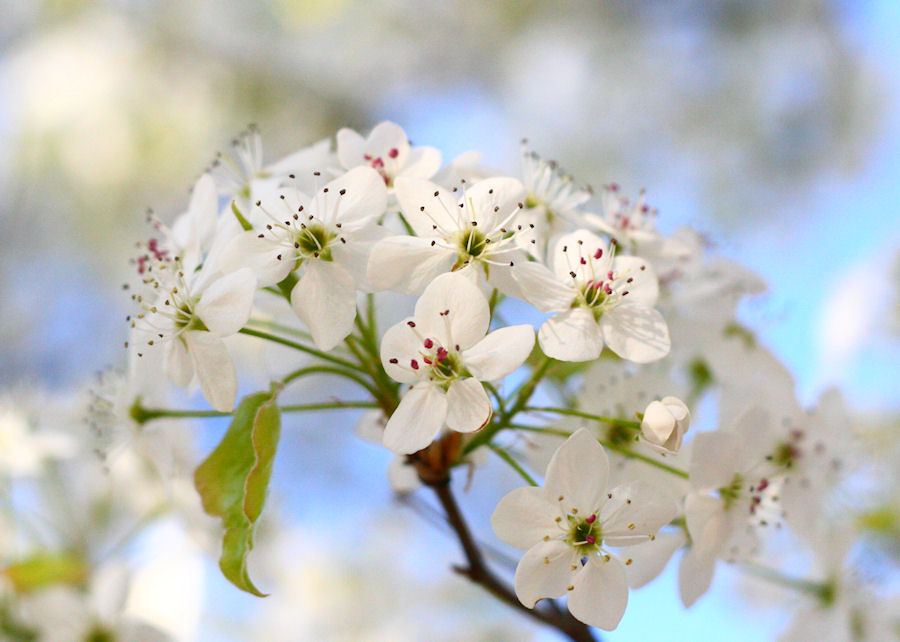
664 424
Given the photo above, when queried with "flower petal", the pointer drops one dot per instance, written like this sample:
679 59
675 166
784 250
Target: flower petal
423 210
650 558
626 523
545 571
600 594
225 306
417 420
500 352
177 362
540 287
358 195
350 148
260 255
402 343
644 286
452 304
525 516
493 200
715 458
407 264
422 162
636 332
695 574
325 300
572 335
215 369
468 406
579 473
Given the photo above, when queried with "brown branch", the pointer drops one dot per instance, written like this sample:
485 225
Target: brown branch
547 611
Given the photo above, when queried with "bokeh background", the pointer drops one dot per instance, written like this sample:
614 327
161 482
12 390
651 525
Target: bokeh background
770 126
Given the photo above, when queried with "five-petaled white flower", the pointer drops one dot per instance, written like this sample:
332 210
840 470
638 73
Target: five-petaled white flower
443 350
387 151
568 525
473 231
190 315
328 238
600 299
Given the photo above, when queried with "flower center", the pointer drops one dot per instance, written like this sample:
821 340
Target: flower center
470 243
313 241
585 534
732 492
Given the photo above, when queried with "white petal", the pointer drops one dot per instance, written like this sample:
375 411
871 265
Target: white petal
500 352
364 197
625 524
402 475
600 594
417 420
354 254
540 287
544 571
525 516
644 287
650 558
579 473
414 193
468 406
350 148
407 264
260 255
695 574
422 162
572 335
402 343
636 332
215 369
386 136
707 524
177 363
325 300
658 423
589 244
715 458
225 305
452 302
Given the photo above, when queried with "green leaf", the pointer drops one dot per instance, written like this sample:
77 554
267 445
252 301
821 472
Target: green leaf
233 480
46 569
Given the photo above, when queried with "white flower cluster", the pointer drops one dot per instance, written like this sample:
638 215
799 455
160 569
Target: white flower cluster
323 230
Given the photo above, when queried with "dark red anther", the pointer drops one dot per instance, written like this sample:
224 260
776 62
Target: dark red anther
590 519
583 261
763 484
393 153
590 539
610 275
426 360
598 253
414 364
378 163
441 354
428 344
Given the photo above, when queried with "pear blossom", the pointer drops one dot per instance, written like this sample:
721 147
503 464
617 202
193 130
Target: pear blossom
664 424
472 230
445 352
24 449
327 238
189 315
600 300
552 200
568 525
388 152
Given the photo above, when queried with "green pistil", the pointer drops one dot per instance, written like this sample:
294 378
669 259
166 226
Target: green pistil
732 492
314 240
471 244
784 455
579 531
531 201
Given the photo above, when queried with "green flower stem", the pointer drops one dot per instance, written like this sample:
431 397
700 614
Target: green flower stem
625 452
298 346
585 415
501 405
352 376
523 394
142 415
823 591
505 456
280 327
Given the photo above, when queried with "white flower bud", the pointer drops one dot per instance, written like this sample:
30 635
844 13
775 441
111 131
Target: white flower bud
664 424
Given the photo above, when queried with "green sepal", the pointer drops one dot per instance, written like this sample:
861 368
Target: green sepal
240 217
234 479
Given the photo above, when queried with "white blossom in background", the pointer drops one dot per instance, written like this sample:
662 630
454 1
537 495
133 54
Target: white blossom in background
24 448
598 300
444 350
568 526
327 238
388 152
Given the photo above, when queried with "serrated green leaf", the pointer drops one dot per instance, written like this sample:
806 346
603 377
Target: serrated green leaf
46 569
234 479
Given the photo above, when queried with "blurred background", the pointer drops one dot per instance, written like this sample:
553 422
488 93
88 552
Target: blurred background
770 126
